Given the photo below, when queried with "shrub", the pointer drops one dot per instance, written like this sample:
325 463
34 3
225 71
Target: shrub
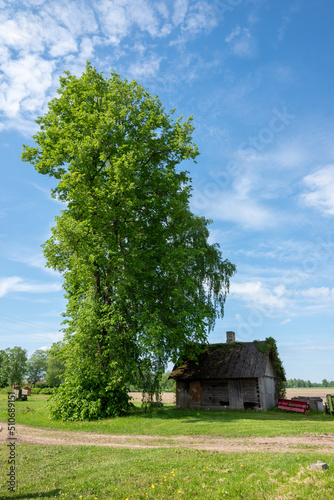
41 385
73 402
46 390
6 390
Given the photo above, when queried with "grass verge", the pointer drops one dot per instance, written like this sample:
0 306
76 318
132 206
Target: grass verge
94 473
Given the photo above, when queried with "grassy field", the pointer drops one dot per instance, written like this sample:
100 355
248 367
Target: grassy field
168 421
98 473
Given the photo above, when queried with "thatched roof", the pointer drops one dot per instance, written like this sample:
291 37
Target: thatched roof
222 361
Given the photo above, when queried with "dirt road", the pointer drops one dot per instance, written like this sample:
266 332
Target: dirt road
308 443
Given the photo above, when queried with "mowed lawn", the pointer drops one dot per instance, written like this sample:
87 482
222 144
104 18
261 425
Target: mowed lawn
88 472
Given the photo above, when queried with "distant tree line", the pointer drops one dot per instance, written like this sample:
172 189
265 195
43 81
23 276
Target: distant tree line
297 382
15 367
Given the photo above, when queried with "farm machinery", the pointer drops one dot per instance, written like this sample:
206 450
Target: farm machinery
21 394
303 404
329 405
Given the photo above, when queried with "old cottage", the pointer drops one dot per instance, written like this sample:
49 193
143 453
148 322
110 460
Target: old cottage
235 375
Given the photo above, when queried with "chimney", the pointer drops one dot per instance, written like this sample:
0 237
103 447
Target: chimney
230 337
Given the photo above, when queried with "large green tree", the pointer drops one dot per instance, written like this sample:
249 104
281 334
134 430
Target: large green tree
36 366
17 360
55 367
140 277
4 368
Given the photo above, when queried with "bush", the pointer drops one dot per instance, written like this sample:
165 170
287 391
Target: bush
46 390
6 390
41 385
73 403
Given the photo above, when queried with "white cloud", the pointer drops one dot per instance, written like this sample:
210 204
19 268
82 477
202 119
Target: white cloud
259 296
180 10
145 67
321 186
37 41
117 17
25 83
322 293
233 34
201 17
237 205
242 43
288 320
17 284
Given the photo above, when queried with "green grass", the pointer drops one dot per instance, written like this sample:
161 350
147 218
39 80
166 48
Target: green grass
168 421
88 472
100 473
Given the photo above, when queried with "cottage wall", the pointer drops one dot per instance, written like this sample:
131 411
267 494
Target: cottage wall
218 394
215 393
267 392
195 394
251 393
182 394
235 392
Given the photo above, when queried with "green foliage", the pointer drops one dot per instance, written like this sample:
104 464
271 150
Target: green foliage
46 390
36 366
6 389
55 367
73 402
42 385
140 277
4 368
16 360
167 385
298 382
269 346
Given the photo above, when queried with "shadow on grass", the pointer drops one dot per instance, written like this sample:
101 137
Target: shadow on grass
24 496
197 416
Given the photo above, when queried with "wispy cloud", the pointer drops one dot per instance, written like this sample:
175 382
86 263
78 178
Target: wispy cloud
287 18
238 204
146 67
180 10
201 17
317 347
321 187
257 295
17 284
242 42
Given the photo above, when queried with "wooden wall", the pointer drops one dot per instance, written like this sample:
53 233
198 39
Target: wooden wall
215 393
220 394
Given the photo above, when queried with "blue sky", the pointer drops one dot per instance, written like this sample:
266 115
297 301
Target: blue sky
257 75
